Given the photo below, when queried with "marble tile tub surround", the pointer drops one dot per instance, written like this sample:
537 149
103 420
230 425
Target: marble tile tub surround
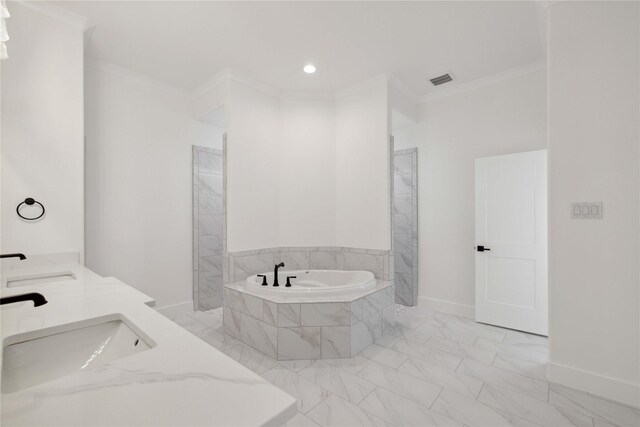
506 386
208 227
243 264
405 225
299 331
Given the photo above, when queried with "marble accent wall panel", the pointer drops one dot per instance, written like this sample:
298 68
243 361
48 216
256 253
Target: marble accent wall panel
323 260
405 225
208 227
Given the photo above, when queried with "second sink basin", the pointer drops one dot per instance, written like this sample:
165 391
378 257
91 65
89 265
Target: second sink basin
39 279
40 356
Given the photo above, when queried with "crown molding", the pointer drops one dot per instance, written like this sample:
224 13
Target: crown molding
223 76
56 12
253 83
484 81
220 78
138 78
227 74
401 87
306 96
359 87
230 74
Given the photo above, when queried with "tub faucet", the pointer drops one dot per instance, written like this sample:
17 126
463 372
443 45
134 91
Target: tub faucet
275 273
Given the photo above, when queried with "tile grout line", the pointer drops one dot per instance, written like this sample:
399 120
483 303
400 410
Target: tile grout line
480 392
413 376
365 398
437 396
495 354
319 403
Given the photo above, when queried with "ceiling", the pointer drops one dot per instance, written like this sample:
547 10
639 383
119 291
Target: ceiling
185 43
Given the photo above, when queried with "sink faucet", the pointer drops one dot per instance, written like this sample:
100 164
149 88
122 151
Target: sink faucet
275 273
21 256
38 299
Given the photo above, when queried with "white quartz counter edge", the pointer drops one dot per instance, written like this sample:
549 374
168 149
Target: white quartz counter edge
182 381
288 299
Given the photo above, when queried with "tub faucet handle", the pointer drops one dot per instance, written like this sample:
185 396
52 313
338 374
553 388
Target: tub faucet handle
288 285
264 279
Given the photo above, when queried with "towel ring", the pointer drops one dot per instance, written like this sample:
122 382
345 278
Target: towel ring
30 201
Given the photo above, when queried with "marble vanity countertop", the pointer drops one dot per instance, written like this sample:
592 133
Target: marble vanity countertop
181 381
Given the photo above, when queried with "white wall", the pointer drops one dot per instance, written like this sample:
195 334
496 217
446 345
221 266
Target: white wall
282 173
307 173
594 282
362 167
42 133
210 99
138 182
402 103
505 117
253 168
406 137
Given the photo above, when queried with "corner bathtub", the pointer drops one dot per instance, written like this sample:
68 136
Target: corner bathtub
321 316
312 283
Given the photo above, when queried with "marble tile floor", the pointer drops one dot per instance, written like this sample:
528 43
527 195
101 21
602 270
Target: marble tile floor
435 369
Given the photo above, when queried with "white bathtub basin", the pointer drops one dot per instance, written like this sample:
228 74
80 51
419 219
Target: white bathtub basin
311 283
41 356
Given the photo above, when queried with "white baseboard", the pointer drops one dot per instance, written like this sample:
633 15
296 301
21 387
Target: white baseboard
176 309
609 388
463 310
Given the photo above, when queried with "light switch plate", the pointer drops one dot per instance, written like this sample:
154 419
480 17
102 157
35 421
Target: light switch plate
586 210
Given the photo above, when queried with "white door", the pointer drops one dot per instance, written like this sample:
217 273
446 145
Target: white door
511 241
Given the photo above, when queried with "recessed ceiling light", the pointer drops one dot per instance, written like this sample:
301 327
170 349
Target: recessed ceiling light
309 68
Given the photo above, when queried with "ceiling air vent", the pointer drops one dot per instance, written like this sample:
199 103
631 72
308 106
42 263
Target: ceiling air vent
445 78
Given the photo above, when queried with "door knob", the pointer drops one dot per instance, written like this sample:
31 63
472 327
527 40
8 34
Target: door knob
481 248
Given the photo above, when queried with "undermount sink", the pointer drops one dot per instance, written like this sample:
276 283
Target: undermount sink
37 357
38 279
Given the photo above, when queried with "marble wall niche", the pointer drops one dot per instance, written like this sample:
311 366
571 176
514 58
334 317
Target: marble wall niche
405 225
208 227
